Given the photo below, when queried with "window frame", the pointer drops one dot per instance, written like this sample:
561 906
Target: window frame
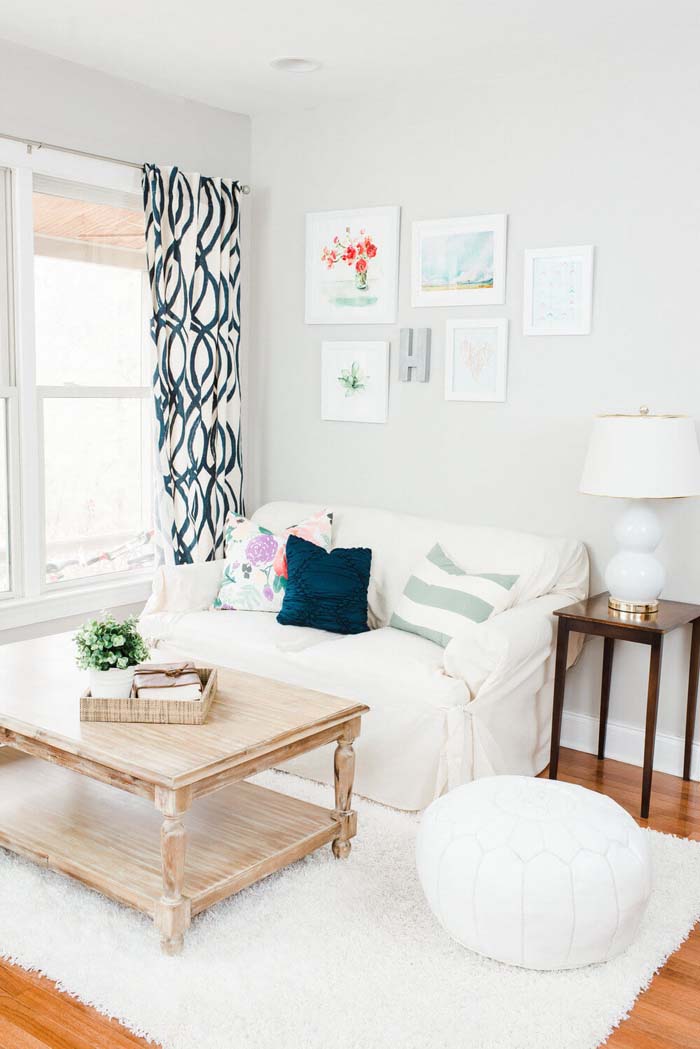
31 598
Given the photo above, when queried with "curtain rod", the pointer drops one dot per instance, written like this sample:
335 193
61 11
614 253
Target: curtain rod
31 144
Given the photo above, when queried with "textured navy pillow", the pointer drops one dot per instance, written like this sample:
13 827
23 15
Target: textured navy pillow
326 590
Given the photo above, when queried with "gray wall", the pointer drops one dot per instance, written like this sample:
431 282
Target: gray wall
611 162
45 98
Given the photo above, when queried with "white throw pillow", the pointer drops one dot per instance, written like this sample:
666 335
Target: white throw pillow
441 600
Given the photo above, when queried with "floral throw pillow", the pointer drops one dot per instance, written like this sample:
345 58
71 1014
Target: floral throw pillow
255 573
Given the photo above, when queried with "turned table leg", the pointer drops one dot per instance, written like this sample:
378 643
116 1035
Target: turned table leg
344 768
172 913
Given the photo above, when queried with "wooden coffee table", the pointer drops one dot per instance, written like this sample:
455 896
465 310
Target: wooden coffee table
183 829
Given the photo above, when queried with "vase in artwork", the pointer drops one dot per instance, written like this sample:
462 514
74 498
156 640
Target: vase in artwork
361 277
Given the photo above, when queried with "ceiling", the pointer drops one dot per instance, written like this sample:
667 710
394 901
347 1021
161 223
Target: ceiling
218 51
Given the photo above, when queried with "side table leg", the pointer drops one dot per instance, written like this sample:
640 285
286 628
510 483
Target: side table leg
650 731
172 913
558 697
692 697
344 768
608 650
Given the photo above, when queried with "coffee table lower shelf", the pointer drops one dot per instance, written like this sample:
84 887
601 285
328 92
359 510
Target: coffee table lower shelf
110 840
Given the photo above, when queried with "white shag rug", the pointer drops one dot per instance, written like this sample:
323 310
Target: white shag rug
331 953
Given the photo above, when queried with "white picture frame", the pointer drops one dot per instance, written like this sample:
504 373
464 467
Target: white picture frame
476 359
365 366
459 262
558 291
366 237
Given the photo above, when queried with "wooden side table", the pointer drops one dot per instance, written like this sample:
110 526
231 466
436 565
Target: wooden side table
594 616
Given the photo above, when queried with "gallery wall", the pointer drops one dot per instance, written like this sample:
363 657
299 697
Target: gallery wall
608 161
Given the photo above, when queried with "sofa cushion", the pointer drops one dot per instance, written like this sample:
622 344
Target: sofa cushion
246 640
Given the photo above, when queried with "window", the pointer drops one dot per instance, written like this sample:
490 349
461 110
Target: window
76 431
92 363
8 392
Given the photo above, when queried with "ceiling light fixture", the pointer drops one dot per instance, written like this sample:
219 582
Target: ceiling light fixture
296 65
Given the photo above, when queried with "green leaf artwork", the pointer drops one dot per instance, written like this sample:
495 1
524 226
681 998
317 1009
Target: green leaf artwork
353 379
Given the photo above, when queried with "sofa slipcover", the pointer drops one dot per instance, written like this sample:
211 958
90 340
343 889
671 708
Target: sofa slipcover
439 717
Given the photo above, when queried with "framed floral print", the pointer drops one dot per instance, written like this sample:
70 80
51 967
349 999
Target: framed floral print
352 266
476 360
355 381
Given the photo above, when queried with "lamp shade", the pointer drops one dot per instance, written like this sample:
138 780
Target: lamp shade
642 457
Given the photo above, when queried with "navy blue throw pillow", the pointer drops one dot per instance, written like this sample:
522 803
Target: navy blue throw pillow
327 591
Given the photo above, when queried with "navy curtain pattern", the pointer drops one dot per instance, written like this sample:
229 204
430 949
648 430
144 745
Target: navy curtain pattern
194 266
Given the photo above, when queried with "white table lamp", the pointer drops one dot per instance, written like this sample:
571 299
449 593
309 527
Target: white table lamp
639 458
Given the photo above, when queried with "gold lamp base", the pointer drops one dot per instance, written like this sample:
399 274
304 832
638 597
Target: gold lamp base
637 608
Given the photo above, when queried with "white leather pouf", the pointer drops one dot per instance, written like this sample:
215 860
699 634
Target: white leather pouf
534 872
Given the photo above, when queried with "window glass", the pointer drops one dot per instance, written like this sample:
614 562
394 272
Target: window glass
91 333
90 294
4 502
97 486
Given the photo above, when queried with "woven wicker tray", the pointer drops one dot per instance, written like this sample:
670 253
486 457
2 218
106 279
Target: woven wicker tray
154 711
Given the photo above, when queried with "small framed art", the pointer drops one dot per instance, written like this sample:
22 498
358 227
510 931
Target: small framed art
355 381
476 360
352 266
558 293
459 262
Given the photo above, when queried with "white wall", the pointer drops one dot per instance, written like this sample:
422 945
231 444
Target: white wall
607 161
46 99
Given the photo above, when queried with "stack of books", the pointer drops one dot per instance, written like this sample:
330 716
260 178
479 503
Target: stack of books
167 681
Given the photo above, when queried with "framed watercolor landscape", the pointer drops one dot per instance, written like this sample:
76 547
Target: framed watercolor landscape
352 266
459 262
355 381
476 360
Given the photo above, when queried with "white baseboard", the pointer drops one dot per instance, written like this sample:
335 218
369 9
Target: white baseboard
626 743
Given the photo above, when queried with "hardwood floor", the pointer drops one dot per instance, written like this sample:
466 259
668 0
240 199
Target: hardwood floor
34 1015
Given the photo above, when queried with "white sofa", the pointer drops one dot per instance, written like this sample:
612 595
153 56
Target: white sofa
439 717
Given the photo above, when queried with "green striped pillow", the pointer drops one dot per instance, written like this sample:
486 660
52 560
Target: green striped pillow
440 599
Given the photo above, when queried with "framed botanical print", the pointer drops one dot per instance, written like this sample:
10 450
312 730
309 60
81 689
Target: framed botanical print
459 262
476 360
355 381
558 293
352 266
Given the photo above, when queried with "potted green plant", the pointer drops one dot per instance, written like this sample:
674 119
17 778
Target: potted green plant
109 651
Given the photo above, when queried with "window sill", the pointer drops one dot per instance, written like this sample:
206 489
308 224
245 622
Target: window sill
25 611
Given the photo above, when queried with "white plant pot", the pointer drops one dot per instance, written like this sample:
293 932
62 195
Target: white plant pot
111 684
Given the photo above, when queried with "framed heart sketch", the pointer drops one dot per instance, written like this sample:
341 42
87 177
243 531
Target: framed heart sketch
476 360
352 266
558 293
355 381
459 262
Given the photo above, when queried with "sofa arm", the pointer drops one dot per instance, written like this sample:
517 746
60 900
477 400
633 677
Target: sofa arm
507 648
184 588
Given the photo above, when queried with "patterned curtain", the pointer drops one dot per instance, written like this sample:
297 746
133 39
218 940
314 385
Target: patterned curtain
194 265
